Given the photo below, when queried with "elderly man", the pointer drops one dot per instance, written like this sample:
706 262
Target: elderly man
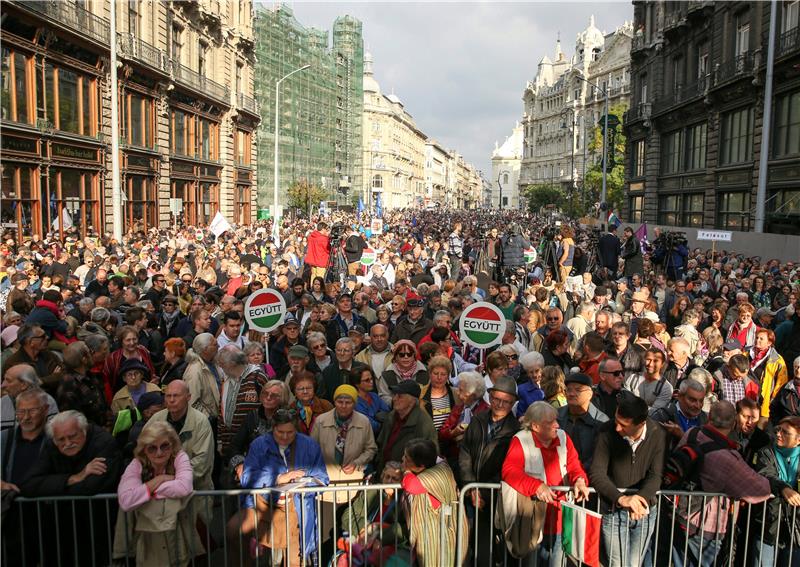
239 394
77 459
405 422
554 319
19 379
378 355
414 326
278 354
202 376
582 323
580 418
483 449
680 365
33 351
193 429
338 372
607 391
685 412
629 454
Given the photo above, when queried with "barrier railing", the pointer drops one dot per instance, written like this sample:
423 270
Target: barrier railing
366 525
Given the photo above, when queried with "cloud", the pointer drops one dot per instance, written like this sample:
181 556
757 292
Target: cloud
460 67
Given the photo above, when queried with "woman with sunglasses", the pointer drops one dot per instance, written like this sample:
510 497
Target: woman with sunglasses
781 465
154 487
276 459
404 366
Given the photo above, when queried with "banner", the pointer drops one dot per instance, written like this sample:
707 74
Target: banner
580 534
219 225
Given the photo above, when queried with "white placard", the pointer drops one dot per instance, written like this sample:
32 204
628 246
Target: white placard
715 235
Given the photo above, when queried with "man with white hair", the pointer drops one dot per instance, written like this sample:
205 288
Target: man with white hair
733 312
202 376
582 323
18 379
680 365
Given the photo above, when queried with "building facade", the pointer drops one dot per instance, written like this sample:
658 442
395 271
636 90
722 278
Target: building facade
564 103
697 117
394 149
320 108
506 164
439 185
187 114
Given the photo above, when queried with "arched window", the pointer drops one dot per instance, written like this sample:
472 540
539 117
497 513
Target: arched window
505 179
377 182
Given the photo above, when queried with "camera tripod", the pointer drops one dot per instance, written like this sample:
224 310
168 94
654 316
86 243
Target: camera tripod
337 263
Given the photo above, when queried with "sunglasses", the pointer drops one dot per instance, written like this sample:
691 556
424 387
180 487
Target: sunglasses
614 372
512 356
165 447
405 353
169 303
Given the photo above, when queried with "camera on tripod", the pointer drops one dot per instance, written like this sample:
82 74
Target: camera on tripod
550 232
337 231
671 239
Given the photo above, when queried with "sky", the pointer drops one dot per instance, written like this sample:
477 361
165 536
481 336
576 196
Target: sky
460 68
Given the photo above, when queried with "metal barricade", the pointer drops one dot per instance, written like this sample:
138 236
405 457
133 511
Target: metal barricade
365 525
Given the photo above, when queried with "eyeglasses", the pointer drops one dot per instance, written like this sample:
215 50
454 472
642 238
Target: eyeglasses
304 389
272 395
614 372
785 432
165 303
42 336
31 411
165 447
404 354
499 402
317 347
552 318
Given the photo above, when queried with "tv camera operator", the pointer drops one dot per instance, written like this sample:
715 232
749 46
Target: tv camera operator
512 251
354 247
670 253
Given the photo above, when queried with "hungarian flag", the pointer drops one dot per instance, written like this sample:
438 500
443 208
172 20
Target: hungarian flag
580 534
613 219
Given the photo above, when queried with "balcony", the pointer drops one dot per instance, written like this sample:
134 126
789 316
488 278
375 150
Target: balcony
737 68
698 7
71 16
682 94
194 80
247 103
673 21
638 112
133 48
789 42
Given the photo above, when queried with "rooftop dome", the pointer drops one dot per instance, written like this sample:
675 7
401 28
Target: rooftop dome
370 84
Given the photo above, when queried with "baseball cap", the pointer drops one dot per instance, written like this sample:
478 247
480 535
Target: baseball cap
358 328
9 335
579 378
409 387
765 311
732 344
290 321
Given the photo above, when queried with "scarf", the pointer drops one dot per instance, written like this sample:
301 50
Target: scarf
788 463
170 318
758 356
405 366
304 412
343 425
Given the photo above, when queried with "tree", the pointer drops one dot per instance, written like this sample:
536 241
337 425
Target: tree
302 195
616 177
539 196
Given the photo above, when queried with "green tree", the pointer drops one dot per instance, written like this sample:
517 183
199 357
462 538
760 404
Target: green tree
616 177
539 196
302 195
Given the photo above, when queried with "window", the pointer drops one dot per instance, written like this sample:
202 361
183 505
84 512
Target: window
239 71
733 210
208 203
791 16
71 100
505 201
643 88
681 210
137 120
787 125
207 139
742 44
141 203
74 198
696 147
377 182
243 147
702 60
20 196
177 43
671 152
505 179
18 87
677 74
636 208
202 54
736 138
180 133
242 209
638 158
692 210
133 17
669 209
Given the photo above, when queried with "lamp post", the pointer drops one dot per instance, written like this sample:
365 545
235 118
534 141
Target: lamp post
564 113
275 216
605 137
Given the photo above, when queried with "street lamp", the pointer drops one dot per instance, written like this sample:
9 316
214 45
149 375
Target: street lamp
564 113
275 215
605 137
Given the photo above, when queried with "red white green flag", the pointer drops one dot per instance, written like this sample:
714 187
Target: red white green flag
580 533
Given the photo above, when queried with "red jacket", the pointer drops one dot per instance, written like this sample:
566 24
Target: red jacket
318 250
591 366
514 475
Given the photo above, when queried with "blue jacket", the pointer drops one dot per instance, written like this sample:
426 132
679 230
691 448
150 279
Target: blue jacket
528 393
372 410
264 463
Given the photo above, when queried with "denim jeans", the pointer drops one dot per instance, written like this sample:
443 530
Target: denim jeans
625 540
548 554
684 555
767 553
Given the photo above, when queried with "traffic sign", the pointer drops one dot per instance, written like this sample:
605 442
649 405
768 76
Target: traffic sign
265 310
482 324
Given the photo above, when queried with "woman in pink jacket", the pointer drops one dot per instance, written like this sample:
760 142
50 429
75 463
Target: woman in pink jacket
155 488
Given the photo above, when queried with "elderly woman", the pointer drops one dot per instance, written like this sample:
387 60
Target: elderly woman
16 380
556 350
274 395
130 349
368 402
133 373
469 392
688 330
174 361
404 366
265 515
437 397
768 368
255 355
384 317
530 391
780 463
155 487
398 307
308 406
429 488
79 391
496 366
744 329
321 356
536 461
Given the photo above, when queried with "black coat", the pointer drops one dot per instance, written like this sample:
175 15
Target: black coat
632 254
608 248
767 465
50 475
513 250
354 247
480 460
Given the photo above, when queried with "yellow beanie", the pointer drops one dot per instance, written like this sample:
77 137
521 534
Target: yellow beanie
346 390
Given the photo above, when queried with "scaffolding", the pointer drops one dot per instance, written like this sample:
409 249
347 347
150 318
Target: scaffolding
320 120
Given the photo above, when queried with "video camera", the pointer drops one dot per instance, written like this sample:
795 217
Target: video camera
337 231
671 239
550 232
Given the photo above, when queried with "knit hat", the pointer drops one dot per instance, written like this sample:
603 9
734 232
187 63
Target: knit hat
150 399
346 390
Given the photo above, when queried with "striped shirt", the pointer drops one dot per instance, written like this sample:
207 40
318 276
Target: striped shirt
441 410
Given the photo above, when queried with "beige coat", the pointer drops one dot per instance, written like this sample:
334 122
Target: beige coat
365 357
123 400
197 440
359 446
202 385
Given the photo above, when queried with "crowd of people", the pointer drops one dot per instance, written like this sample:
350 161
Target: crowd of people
128 367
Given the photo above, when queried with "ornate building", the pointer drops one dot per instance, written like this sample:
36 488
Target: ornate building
506 163
565 101
696 122
186 109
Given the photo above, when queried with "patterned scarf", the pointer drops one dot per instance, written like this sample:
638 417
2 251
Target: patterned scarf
341 436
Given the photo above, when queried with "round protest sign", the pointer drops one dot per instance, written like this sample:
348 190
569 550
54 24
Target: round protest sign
482 324
530 255
265 310
199 235
368 257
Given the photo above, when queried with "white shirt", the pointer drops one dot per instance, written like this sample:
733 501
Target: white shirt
223 341
635 443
